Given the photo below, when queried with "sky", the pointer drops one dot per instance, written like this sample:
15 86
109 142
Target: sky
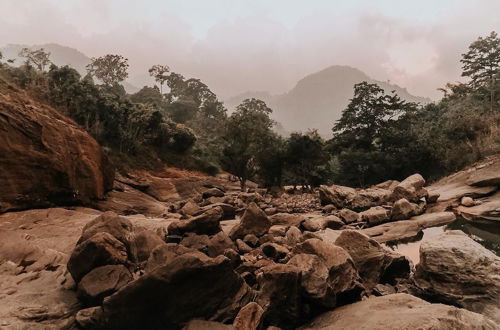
263 45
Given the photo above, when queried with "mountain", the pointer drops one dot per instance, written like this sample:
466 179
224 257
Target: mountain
318 99
60 56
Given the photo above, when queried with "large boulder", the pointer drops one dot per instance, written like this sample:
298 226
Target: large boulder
109 222
189 286
403 209
411 188
329 277
101 282
347 197
99 250
279 293
400 312
375 215
47 159
457 270
254 221
374 263
207 223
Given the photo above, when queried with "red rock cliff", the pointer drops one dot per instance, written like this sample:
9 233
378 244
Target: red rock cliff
45 158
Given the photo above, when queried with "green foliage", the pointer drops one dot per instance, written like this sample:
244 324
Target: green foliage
248 131
159 72
306 159
482 63
110 69
38 58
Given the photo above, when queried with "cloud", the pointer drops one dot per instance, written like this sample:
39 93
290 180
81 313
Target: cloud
262 45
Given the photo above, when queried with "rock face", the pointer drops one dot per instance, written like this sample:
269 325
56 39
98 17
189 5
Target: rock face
456 270
400 312
46 158
186 287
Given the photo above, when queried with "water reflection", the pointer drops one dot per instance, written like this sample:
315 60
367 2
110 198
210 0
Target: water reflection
488 235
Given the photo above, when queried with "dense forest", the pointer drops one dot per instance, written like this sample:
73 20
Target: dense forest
181 122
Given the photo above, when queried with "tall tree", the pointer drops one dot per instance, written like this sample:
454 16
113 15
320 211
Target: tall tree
110 69
306 158
38 58
482 63
247 131
160 74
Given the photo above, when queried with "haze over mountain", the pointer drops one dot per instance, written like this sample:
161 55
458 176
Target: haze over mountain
60 56
318 99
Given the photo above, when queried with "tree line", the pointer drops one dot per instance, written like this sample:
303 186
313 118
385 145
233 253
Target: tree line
182 122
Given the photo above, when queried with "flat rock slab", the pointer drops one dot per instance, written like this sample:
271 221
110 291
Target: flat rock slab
488 211
400 312
408 230
42 296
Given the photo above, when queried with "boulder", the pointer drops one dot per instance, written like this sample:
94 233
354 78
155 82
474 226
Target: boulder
190 208
142 243
318 223
408 230
164 254
212 192
403 209
433 196
90 318
336 195
341 284
279 293
228 210
109 222
375 215
349 216
400 312
243 247
197 242
467 201
293 236
374 263
487 212
274 251
249 317
287 219
251 240
218 244
455 269
102 282
411 188
99 250
47 159
189 286
207 223
254 221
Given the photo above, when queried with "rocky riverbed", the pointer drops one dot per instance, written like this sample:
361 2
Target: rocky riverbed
183 251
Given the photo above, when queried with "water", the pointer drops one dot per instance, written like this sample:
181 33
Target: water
488 235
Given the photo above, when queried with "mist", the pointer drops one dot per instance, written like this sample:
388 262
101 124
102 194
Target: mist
256 46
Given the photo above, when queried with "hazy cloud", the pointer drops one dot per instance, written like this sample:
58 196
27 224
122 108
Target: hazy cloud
235 46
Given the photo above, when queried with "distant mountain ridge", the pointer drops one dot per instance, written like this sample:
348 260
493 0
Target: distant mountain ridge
318 99
60 56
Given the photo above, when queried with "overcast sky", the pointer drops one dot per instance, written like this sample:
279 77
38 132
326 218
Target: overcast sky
264 45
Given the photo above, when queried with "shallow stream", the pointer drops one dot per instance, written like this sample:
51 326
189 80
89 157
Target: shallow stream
488 235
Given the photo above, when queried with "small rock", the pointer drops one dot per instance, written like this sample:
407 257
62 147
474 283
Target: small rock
467 201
